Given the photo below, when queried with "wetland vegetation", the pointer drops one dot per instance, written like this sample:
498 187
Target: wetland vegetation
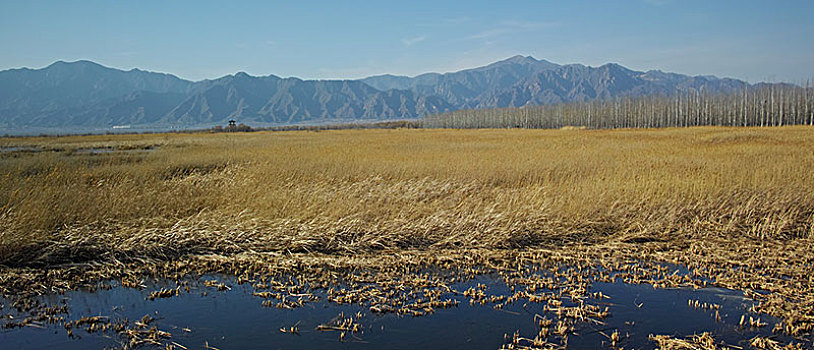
409 222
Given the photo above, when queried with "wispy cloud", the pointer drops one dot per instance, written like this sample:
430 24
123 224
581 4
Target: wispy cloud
512 26
412 41
489 33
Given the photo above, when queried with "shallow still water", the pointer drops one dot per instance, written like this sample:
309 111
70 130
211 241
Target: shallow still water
235 319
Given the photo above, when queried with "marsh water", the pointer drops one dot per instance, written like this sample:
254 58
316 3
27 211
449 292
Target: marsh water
234 318
90 150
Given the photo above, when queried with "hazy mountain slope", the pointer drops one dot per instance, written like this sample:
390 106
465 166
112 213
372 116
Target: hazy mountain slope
78 83
85 94
521 81
462 88
272 99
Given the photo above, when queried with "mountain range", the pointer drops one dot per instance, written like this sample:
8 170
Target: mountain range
84 95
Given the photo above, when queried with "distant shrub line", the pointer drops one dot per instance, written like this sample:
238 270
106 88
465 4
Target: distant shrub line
396 124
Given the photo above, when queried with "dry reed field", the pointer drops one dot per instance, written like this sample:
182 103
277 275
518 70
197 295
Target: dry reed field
161 196
735 205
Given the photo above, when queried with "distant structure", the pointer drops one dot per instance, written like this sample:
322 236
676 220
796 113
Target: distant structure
232 127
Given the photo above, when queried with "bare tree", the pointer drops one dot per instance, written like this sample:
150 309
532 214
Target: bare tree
764 105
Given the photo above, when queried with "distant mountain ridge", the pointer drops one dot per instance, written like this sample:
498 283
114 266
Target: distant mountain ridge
85 94
524 81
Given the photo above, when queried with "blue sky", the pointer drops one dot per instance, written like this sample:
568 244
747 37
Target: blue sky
752 40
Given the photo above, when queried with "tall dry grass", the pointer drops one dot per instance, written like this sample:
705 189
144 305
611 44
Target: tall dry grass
359 190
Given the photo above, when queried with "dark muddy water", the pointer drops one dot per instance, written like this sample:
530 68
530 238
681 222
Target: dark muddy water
235 319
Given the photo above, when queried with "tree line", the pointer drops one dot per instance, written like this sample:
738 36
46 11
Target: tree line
759 105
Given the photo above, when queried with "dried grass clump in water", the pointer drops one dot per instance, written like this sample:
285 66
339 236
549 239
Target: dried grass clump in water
706 342
164 293
770 344
696 342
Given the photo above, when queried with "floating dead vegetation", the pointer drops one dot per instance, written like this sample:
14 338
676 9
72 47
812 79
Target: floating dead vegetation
703 341
133 335
164 293
343 325
556 282
295 329
516 342
38 315
763 343
217 285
